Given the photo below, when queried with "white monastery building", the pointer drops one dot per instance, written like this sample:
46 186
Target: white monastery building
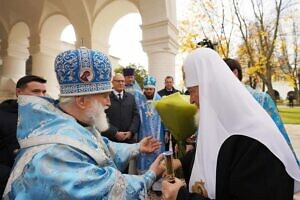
30 32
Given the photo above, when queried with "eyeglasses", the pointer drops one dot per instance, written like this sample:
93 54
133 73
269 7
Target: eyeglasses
119 81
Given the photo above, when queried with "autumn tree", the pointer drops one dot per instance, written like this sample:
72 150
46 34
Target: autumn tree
260 36
251 35
288 52
206 19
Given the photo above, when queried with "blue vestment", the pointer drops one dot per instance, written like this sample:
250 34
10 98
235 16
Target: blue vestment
60 159
133 88
137 92
268 104
265 100
151 125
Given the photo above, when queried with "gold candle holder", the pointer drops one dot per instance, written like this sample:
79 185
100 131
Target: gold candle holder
168 156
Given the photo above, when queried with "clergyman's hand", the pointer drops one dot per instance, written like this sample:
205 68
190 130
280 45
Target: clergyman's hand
149 145
156 167
128 134
120 136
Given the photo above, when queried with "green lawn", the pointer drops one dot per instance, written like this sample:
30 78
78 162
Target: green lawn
290 115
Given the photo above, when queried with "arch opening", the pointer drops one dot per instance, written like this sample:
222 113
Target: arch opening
129 26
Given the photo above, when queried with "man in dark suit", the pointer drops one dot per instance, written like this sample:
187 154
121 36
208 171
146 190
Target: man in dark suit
169 89
122 115
9 146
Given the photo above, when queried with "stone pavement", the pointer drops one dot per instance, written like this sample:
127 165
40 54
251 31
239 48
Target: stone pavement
294 134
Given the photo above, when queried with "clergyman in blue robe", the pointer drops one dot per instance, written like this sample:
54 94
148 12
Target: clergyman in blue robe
151 124
133 87
63 155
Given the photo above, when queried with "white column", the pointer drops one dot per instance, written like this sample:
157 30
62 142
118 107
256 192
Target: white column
13 67
103 46
14 59
43 65
161 47
159 37
43 56
83 40
161 64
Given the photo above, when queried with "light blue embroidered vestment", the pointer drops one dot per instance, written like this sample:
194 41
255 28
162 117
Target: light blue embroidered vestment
265 100
151 125
60 159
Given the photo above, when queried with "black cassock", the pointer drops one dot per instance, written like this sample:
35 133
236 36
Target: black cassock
246 170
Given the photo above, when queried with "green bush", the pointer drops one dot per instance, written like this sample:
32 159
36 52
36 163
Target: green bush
140 73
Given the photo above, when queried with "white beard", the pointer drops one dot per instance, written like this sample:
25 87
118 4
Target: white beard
97 116
197 118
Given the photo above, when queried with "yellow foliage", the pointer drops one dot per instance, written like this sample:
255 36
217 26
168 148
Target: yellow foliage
263 33
210 5
291 79
256 69
187 42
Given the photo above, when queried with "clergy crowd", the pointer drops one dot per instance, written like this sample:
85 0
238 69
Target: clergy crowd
104 139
